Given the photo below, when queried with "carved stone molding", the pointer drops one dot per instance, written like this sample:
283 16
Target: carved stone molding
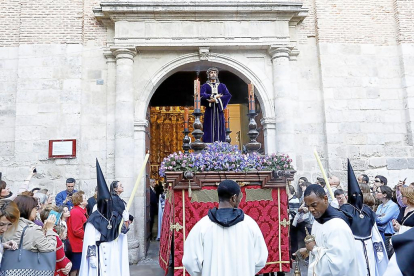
140 125
268 123
110 58
279 52
204 53
124 52
200 10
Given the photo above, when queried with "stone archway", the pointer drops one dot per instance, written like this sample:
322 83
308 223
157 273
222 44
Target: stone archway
263 88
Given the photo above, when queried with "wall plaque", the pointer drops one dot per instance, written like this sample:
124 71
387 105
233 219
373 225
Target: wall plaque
62 148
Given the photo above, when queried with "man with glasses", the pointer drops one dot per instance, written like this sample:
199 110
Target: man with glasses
226 241
340 197
65 197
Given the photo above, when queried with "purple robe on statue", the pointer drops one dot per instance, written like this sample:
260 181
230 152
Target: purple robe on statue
214 125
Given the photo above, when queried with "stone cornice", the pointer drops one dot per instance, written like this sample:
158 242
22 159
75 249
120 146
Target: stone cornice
123 52
140 125
276 51
200 10
268 122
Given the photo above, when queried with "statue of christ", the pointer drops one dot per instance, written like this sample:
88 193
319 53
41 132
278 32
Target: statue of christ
214 96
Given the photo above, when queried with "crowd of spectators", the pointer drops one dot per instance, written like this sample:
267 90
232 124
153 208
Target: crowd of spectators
394 207
45 225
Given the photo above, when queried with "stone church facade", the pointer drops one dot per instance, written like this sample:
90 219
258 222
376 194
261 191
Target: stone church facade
336 76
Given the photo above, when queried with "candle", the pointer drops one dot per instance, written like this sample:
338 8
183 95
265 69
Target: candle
186 118
252 105
318 160
227 118
197 102
195 94
198 95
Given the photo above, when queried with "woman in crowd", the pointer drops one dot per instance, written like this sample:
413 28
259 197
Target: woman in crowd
63 221
365 189
76 232
116 190
9 218
386 212
405 219
35 238
63 265
302 185
369 200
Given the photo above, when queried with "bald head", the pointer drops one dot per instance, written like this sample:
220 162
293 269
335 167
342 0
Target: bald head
334 181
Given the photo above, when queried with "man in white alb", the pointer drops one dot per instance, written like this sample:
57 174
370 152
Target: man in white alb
226 242
332 253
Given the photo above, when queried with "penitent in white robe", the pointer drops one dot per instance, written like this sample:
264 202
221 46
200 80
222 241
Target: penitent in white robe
113 256
374 254
334 253
238 250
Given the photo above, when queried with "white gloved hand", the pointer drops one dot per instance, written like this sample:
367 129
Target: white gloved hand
125 215
93 261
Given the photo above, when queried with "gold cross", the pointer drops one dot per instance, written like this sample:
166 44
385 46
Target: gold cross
176 227
285 222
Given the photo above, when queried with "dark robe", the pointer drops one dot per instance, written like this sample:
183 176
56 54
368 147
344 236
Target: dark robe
214 125
361 227
331 213
404 251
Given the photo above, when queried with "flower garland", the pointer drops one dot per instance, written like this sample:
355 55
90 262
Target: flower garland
220 156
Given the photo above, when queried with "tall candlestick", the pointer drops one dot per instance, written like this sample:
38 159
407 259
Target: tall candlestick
185 117
227 118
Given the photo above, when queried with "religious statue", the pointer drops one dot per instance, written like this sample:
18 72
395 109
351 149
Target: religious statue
215 97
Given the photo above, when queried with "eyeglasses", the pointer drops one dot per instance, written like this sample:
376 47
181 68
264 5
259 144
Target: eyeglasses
377 181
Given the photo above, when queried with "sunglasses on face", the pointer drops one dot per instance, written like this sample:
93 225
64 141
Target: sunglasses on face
377 181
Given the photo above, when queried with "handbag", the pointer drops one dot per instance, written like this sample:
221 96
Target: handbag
22 262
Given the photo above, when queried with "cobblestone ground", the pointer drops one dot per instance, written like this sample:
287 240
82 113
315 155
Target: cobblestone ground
150 267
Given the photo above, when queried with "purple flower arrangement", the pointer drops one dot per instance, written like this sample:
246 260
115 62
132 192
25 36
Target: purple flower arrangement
220 156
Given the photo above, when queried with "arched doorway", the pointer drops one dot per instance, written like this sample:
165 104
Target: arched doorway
165 113
152 78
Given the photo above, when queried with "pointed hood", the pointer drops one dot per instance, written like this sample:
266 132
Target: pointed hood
104 199
354 191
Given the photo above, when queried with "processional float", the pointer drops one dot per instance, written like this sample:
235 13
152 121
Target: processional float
192 190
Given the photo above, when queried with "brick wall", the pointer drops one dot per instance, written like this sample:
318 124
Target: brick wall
404 14
9 22
352 21
50 22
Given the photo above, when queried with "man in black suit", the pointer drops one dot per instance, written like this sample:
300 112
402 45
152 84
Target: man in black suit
153 204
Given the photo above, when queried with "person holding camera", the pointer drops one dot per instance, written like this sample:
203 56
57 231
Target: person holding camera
65 197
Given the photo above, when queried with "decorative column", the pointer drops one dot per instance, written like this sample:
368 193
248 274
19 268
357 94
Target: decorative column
141 137
124 118
269 128
110 113
284 103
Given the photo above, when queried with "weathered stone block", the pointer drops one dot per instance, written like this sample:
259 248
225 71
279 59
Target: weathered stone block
133 248
410 163
6 149
397 163
395 151
359 164
356 139
377 162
